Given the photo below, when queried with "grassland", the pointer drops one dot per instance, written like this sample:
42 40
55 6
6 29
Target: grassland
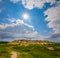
30 51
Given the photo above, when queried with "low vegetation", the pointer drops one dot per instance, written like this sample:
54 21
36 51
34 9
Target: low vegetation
51 50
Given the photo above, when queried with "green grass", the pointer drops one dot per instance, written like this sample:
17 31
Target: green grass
30 51
4 53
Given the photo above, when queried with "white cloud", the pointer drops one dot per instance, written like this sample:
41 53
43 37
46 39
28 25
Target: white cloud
32 34
2 26
51 1
54 18
15 31
18 29
19 22
12 20
30 4
15 22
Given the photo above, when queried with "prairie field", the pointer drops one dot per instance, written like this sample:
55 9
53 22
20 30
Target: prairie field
9 50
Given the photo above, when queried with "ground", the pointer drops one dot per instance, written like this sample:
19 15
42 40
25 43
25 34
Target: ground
8 50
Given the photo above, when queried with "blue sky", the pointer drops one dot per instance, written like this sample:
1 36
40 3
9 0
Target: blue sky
42 22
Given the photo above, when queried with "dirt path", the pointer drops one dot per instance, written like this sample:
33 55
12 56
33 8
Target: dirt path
50 48
13 54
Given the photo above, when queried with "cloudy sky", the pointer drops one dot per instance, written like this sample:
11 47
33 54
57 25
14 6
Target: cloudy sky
30 19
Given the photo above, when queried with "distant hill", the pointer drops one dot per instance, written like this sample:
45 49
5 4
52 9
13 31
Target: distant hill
27 42
29 49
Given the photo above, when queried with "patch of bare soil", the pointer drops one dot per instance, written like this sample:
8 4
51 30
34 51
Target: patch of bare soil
50 48
13 54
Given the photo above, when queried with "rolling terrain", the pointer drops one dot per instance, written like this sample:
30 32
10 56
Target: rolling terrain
29 49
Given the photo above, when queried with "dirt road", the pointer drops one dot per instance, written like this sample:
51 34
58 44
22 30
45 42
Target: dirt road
13 54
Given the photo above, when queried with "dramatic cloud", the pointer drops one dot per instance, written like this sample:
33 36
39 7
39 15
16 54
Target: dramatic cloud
30 4
18 32
17 29
14 22
53 17
12 28
55 36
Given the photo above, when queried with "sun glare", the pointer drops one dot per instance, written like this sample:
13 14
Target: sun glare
25 16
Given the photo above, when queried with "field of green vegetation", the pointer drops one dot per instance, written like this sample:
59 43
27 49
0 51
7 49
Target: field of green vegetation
30 51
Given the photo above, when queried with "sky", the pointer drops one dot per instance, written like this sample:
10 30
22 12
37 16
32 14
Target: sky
30 19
